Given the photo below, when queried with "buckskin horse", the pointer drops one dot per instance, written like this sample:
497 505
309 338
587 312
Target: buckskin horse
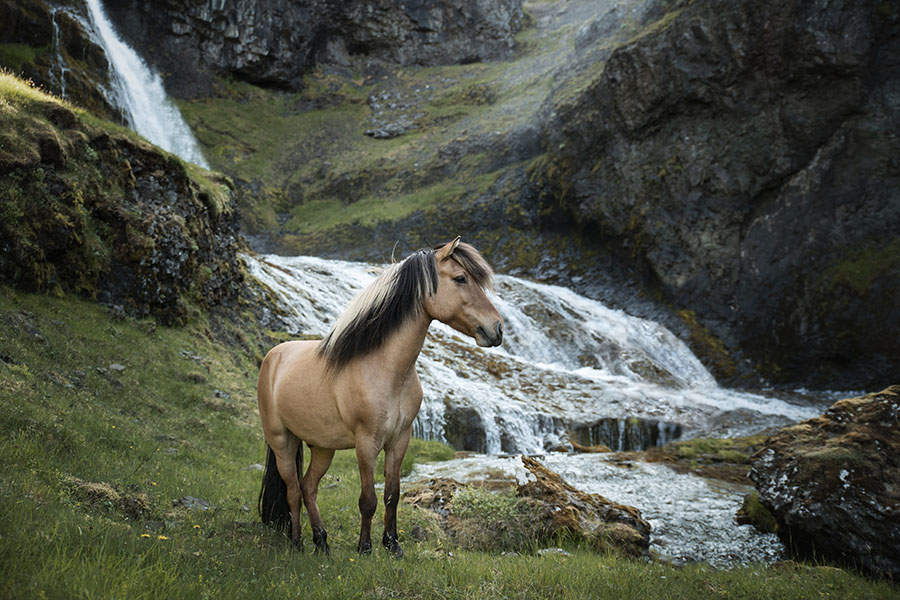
358 387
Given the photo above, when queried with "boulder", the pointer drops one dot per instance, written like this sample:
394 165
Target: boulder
833 483
567 510
540 508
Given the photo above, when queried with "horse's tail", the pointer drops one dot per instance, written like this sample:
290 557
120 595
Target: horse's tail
273 504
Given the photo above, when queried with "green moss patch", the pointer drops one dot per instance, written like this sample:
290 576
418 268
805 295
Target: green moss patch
718 458
861 267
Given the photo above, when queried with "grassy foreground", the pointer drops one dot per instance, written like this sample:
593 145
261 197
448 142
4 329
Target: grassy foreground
106 421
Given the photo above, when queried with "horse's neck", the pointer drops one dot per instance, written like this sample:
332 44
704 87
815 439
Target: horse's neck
397 357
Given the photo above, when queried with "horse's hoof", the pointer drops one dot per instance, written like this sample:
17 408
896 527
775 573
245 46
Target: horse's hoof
364 548
297 544
320 539
323 548
392 544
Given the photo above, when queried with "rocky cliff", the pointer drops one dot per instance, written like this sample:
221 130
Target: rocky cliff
275 42
741 154
47 42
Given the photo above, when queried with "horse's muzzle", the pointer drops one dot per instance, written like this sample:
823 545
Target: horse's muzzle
489 337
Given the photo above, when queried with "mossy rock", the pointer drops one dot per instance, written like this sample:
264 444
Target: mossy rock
91 208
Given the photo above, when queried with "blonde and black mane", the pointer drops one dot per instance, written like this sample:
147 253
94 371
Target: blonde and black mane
380 309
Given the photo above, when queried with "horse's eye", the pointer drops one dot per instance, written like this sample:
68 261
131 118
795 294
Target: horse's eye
460 279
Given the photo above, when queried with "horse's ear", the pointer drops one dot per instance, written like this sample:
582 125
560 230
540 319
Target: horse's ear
446 251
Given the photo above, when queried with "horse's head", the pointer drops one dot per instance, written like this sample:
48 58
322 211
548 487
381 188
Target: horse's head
460 300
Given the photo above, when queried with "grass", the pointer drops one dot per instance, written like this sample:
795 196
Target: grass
100 410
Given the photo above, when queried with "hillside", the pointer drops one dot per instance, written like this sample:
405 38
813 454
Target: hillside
130 445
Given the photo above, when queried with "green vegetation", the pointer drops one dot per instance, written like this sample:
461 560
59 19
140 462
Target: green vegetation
719 458
861 267
72 210
16 55
108 421
754 513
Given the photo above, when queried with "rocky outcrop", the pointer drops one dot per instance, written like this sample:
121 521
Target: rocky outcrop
89 209
565 509
540 508
275 43
832 483
734 152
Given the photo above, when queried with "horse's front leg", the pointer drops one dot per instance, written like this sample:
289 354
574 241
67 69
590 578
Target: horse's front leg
366 452
393 459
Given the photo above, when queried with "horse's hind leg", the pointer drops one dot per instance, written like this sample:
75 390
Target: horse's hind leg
320 460
286 448
393 458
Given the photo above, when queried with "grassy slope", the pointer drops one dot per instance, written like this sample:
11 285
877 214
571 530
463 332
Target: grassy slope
158 428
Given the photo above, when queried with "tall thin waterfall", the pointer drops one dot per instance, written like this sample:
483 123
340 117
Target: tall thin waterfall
139 92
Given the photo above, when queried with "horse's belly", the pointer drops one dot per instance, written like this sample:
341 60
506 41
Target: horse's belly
317 423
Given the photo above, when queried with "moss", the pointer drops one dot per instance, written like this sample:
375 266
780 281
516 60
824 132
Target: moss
752 512
72 212
859 268
727 459
708 347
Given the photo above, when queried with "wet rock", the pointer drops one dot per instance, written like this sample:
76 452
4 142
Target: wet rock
464 428
831 483
625 434
564 509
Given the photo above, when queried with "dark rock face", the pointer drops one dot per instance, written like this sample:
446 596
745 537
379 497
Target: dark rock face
274 43
832 483
737 153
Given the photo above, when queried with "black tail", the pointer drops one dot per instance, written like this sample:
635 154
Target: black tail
273 505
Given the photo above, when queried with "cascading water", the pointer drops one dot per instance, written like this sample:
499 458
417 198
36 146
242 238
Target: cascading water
569 368
135 88
58 67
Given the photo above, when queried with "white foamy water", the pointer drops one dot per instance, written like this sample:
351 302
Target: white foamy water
567 361
691 518
139 92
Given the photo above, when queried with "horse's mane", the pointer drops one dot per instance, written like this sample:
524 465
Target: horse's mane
380 309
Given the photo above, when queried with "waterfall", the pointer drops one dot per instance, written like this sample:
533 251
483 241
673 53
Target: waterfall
139 92
569 368
58 68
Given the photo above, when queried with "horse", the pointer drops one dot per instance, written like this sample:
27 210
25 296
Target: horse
358 387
